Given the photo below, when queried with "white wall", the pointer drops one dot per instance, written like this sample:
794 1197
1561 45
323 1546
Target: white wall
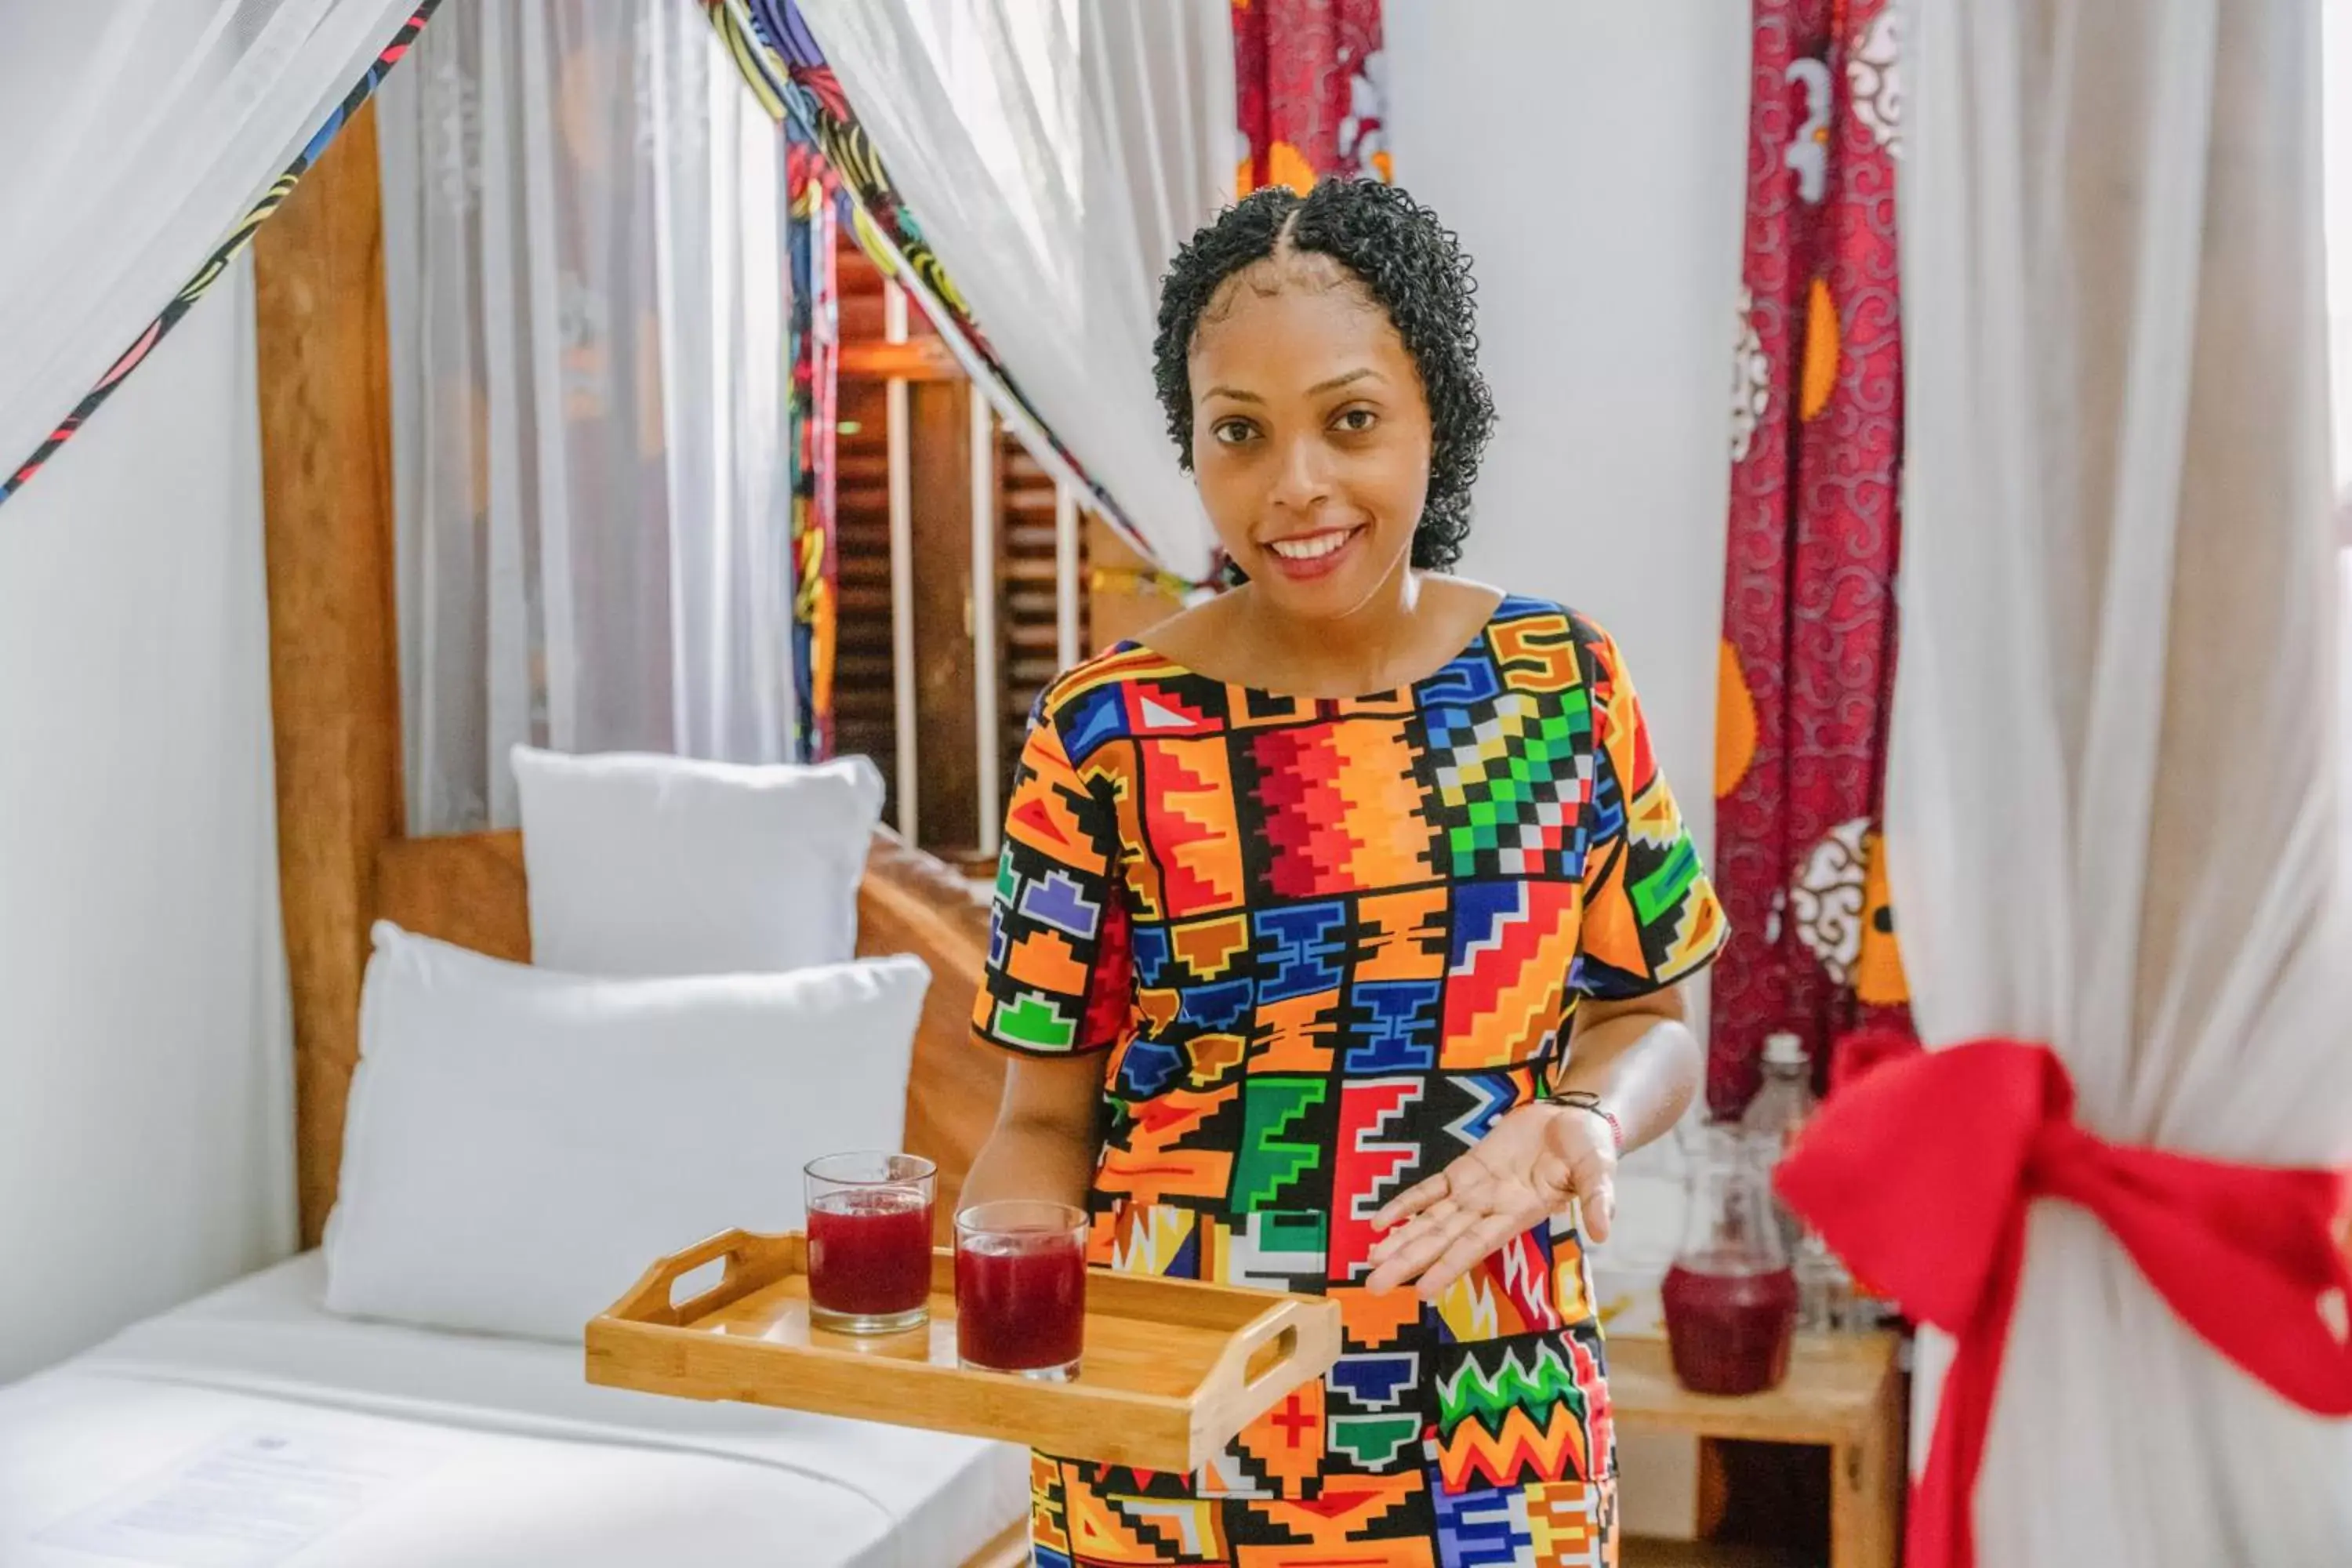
2336 170
145 1083
1593 159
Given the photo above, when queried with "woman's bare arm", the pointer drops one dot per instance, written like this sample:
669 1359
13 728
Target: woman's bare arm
1639 1058
1048 1130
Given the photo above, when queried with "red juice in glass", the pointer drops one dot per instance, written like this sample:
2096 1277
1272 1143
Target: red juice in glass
1020 1288
870 1242
869 1254
1729 1330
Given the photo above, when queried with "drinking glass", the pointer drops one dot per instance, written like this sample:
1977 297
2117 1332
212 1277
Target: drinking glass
869 1241
1020 1288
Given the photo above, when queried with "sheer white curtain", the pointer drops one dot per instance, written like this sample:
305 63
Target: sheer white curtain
1056 152
584 237
2111 803
138 132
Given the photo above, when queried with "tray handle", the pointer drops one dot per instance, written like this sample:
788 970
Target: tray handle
1309 1331
649 1301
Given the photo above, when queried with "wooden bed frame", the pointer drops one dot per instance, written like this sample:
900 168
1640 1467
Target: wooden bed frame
344 859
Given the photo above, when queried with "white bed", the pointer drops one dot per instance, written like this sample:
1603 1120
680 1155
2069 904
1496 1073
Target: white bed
252 1428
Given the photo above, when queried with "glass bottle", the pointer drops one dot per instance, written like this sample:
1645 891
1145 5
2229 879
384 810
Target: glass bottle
1777 1113
1784 1104
1730 1298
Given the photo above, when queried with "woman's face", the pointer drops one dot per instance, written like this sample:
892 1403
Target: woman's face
1310 435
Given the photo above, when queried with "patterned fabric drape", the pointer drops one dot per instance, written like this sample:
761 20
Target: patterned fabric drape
1809 605
1311 88
217 263
813 192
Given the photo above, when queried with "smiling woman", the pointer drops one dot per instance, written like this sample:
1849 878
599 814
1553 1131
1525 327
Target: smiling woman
1318 363
1358 472
1338 930
1385 258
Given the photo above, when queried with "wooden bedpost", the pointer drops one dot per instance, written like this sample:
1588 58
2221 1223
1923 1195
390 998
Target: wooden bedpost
334 677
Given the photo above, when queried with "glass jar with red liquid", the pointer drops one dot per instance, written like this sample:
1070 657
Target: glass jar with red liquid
1730 1298
1020 1288
870 1242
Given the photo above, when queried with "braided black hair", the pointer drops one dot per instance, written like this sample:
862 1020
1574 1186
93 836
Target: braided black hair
1413 266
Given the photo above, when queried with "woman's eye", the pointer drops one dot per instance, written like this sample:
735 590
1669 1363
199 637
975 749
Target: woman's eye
1234 432
1355 421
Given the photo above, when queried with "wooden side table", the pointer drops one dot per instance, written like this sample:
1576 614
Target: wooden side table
1845 1393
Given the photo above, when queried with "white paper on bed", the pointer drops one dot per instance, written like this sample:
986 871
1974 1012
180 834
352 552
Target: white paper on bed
251 1497
489 1452
522 1145
647 865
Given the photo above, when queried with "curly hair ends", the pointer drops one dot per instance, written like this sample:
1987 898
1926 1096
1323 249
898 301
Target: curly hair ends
1410 263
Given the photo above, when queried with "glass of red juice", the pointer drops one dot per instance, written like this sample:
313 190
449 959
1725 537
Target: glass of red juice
1020 1288
870 1242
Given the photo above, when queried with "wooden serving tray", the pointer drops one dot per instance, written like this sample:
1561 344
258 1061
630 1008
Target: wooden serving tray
1171 1371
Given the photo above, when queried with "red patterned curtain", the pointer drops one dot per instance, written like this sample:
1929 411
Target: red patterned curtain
1808 604
1310 87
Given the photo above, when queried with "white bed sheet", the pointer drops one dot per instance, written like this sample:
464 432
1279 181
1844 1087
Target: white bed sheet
376 1445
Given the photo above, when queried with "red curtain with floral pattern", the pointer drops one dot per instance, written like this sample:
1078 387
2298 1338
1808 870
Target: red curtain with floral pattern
1310 85
1808 584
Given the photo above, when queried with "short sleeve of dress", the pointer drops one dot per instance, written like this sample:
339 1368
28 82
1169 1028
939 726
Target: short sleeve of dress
1059 981
1651 916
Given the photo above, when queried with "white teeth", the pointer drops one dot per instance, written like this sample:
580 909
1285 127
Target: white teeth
1309 549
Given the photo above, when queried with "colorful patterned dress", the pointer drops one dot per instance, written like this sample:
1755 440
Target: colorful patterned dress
1323 946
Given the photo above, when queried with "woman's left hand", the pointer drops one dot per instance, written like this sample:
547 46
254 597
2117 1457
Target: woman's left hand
1526 1169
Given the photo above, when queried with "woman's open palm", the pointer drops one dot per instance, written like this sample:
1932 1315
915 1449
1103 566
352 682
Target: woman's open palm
1524 1171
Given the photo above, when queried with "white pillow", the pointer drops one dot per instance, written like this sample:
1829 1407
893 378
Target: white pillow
647 864
522 1144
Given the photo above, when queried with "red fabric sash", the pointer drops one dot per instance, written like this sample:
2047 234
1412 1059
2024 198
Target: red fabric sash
1918 1174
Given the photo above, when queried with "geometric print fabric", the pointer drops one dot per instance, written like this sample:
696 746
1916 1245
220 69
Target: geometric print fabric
1322 946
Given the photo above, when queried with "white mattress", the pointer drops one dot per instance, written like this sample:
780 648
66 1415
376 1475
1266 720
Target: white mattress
251 1427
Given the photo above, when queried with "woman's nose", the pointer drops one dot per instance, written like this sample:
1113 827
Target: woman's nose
1302 476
